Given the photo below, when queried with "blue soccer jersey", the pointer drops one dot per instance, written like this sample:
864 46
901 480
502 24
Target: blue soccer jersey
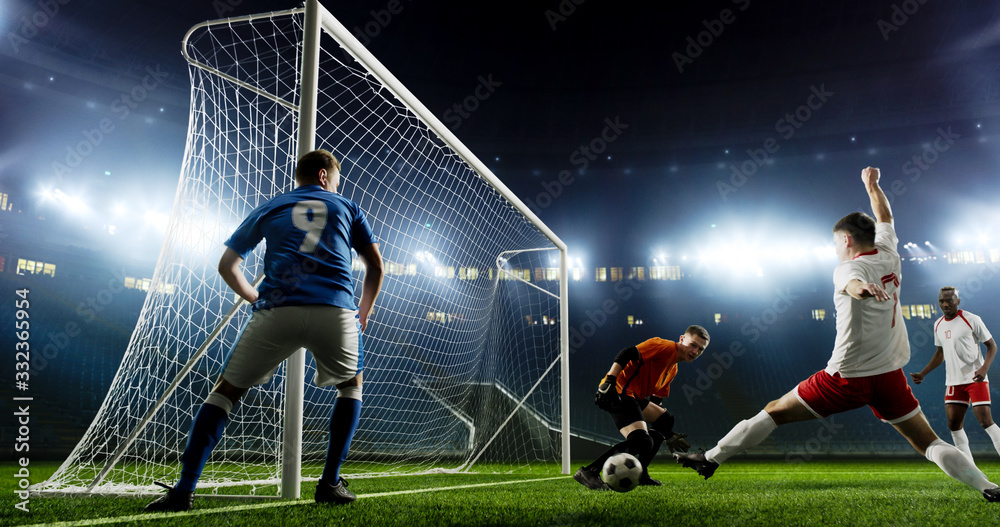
309 233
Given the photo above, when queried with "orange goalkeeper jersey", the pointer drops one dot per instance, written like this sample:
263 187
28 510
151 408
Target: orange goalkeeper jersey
652 375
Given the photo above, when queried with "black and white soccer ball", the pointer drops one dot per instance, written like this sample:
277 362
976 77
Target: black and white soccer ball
621 472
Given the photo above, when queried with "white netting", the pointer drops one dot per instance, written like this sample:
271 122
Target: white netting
465 328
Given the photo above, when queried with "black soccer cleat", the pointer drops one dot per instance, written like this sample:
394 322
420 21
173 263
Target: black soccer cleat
590 479
697 461
173 501
992 494
327 493
646 481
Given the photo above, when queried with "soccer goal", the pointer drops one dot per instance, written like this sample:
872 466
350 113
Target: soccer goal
466 351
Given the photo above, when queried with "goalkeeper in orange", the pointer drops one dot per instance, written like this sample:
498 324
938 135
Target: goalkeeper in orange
632 391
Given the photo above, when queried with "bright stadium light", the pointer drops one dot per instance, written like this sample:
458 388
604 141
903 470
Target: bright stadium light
825 252
157 220
72 204
428 258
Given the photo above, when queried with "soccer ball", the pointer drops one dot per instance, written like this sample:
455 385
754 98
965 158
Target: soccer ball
621 472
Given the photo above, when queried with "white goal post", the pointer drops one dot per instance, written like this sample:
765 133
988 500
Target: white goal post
463 344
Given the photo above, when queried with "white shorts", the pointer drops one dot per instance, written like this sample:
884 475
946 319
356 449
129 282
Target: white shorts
332 334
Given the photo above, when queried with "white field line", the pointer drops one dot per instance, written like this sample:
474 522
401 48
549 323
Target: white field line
268 505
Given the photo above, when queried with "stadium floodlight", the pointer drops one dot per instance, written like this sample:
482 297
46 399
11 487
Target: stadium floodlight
455 375
825 252
157 220
71 204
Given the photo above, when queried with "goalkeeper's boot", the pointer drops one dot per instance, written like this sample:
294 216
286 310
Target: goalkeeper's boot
646 481
698 462
590 479
174 500
992 494
327 493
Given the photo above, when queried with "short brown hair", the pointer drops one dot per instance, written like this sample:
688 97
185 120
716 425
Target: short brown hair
698 331
859 225
309 165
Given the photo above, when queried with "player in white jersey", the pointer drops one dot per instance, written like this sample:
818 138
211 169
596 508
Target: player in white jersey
870 349
957 336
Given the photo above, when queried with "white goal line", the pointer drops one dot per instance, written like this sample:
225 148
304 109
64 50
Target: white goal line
271 504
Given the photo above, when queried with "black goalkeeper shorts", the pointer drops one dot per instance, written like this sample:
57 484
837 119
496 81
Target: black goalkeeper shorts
629 412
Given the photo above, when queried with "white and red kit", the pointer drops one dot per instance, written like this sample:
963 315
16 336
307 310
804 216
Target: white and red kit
959 338
871 345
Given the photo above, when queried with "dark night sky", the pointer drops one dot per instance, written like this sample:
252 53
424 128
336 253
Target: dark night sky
898 79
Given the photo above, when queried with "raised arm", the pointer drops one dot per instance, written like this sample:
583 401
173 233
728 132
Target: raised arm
880 204
372 283
231 271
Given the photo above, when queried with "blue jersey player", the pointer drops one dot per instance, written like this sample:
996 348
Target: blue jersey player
305 301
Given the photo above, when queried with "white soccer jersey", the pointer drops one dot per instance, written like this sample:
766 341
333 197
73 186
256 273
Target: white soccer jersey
871 335
959 337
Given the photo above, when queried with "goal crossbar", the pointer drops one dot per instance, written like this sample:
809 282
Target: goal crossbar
254 111
316 13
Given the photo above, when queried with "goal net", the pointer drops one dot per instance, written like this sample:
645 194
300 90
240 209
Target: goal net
464 363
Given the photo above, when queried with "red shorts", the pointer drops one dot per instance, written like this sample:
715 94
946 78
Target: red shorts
975 392
888 395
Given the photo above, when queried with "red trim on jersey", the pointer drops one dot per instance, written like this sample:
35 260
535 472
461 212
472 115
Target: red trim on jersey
938 323
964 319
869 253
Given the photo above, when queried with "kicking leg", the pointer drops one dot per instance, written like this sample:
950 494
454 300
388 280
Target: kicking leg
951 460
748 433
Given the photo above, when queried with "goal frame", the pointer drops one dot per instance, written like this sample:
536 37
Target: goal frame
316 19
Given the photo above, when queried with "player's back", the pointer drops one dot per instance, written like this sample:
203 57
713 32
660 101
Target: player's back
871 335
309 233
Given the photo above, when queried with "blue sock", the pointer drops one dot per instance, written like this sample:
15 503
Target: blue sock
206 430
343 424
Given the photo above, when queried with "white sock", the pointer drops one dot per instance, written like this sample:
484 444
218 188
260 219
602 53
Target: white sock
747 434
961 441
954 463
994 432
217 399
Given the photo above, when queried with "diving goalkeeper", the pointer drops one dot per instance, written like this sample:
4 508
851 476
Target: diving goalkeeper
632 392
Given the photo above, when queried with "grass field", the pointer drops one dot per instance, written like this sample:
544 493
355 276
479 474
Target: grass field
898 492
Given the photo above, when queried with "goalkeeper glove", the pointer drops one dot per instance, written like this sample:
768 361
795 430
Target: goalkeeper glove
677 443
607 397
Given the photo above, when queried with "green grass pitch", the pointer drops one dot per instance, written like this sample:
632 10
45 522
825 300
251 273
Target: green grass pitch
743 492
